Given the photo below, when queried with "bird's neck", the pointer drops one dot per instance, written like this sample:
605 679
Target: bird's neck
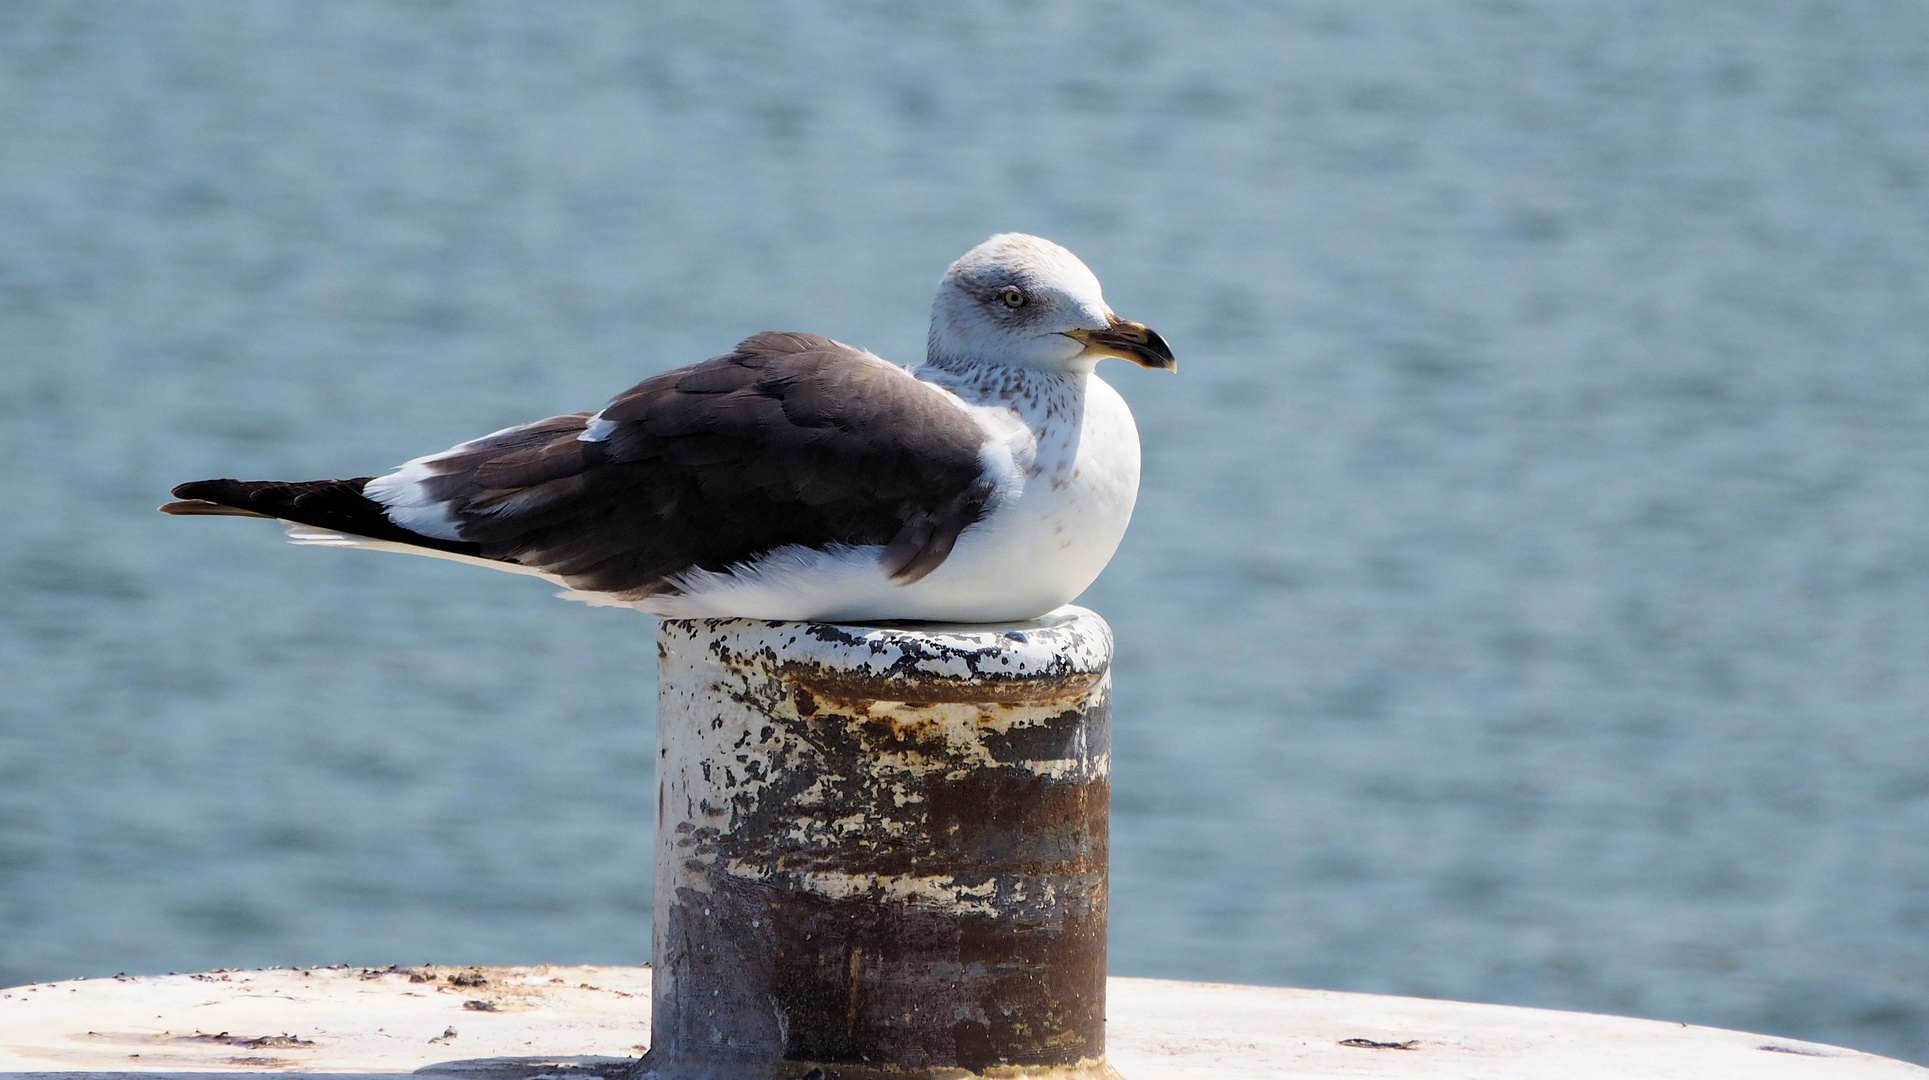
1039 397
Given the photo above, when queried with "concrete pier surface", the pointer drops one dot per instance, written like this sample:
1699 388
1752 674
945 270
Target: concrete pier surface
515 1023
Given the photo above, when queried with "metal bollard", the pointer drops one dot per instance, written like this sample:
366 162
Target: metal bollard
881 851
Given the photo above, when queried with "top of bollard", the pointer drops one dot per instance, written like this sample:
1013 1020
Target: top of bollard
1064 653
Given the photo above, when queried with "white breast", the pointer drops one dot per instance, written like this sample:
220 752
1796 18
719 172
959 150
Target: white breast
1067 455
1042 546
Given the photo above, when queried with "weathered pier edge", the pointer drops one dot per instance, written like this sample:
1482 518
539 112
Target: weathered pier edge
881 850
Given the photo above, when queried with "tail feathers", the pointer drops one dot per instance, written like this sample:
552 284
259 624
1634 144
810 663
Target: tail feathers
335 505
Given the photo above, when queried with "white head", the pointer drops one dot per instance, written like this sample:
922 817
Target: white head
1019 300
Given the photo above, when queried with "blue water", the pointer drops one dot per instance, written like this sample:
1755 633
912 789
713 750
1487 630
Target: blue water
1529 595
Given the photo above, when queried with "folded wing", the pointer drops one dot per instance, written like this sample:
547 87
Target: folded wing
790 439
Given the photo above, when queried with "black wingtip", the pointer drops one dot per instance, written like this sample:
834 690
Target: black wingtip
200 490
335 505
209 498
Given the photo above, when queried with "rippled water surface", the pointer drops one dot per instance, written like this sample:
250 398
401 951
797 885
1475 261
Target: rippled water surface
1529 595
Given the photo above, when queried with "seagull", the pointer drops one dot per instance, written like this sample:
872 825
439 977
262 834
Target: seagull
797 478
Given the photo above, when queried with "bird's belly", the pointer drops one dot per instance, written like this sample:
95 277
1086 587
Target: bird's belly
1036 550
1025 561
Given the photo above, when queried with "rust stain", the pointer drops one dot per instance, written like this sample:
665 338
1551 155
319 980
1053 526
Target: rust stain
850 1025
257 1042
853 687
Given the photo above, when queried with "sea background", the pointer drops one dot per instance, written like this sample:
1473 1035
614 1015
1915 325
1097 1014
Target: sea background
1528 599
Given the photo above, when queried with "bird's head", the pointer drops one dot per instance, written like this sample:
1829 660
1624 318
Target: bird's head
1019 300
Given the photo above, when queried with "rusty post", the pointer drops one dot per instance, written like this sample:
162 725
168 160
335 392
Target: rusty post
881 851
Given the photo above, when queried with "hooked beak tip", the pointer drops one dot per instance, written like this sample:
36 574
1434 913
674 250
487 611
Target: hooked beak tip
1128 340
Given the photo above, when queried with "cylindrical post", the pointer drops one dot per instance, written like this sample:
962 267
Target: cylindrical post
881 851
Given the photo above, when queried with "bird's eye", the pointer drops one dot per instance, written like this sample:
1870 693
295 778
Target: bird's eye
1013 296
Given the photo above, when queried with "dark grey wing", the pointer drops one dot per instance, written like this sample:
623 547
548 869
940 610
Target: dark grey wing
789 439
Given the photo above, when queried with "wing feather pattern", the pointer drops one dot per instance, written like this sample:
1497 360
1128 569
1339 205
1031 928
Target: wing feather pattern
788 439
